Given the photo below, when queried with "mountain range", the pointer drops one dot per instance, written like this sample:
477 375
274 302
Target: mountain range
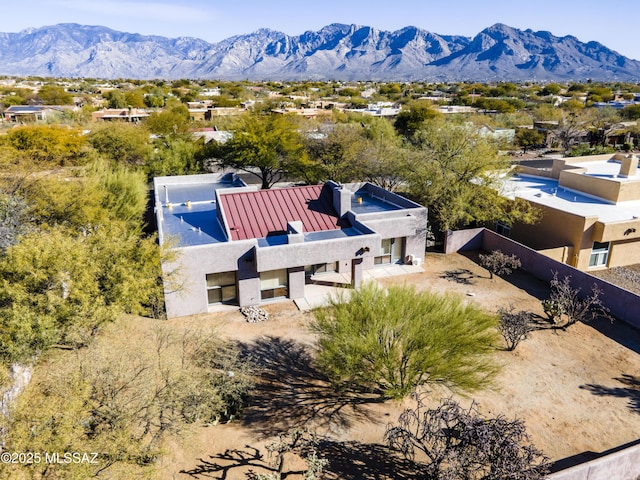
335 52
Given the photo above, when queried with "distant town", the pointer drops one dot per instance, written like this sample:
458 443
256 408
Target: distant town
306 279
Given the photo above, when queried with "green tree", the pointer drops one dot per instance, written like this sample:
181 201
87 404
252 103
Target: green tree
528 137
171 121
631 112
46 144
268 147
115 99
551 89
60 288
176 156
413 116
338 156
121 142
387 161
124 191
457 176
134 99
394 341
54 95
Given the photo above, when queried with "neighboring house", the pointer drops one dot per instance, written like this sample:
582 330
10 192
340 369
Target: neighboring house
504 135
120 115
590 210
210 134
242 246
31 113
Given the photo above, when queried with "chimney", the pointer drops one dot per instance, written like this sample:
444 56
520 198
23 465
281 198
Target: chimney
341 200
295 232
629 166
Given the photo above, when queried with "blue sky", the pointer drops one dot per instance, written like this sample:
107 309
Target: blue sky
612 23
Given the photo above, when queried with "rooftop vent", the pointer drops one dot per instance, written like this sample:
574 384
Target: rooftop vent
629 166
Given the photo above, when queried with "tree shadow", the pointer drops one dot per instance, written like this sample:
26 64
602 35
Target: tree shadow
460 275
292 392
367 461
630 390
618 331
240 461
347 461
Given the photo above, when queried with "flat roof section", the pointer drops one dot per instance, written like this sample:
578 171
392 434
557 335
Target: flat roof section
192 225
189 208
364 202
608 169
546 192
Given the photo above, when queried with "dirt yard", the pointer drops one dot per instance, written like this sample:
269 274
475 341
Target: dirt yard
578 391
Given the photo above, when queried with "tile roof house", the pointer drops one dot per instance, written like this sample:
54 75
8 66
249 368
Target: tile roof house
242 246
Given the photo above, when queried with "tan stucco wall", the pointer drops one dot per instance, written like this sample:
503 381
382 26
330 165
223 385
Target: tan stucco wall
598 187
558 229
612 231
624 253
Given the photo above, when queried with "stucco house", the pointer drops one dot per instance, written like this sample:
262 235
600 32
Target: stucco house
32 113
238 245
590 210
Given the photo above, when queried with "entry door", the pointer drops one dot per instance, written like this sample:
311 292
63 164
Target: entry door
397 250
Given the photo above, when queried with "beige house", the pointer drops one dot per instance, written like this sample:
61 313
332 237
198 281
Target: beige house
590 210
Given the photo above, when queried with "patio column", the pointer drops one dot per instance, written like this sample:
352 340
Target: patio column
296 282
356 272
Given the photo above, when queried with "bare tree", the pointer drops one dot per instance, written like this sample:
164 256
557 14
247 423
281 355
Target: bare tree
463 445
573 307
514 326
499 263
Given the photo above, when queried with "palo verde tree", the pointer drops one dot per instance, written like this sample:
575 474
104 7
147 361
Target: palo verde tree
122 402
461 444
392 341
45 145
121 142
267 146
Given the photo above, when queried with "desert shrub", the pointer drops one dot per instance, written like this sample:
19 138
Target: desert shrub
573 307
514 326
499 263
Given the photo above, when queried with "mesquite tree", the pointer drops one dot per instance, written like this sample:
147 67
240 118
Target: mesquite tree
461 444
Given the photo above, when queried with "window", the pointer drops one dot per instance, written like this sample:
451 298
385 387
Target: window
599 254
274 284
385 249
392 250
502 229
221 288
311 270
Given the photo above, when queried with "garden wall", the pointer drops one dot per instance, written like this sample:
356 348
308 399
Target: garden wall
623 464
623 304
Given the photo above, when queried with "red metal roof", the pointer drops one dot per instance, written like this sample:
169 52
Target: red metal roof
263 212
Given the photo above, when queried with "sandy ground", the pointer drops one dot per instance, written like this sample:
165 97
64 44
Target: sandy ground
577 390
